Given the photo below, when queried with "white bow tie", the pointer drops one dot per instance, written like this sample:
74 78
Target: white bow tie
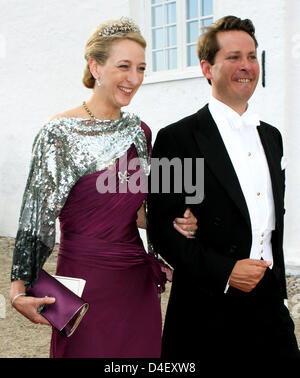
248 119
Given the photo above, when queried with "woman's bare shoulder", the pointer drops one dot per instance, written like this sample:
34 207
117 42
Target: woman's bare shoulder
77 112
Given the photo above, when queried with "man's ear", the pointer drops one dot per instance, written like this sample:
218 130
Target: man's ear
206 69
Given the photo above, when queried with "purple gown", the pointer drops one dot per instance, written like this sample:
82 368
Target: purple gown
100 243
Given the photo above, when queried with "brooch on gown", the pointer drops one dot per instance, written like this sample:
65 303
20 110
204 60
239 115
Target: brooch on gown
124 176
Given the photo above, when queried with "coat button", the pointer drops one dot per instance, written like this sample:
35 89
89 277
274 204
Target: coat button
232 249
217 221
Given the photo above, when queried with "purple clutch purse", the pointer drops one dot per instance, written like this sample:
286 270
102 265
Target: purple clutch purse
67 311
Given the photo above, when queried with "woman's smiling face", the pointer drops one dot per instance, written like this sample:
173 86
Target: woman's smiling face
122 74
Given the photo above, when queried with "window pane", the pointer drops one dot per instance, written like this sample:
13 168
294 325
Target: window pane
207 21
157 38
157 16
158 61
207 7
192 31
192 56
157 1
171 13
192 9
171 36
172 59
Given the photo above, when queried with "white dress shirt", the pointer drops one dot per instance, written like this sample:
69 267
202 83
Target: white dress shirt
243 144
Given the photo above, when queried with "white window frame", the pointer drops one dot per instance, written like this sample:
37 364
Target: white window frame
164 27
183 71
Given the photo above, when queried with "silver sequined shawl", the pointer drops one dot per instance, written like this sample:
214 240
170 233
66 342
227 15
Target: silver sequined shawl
63 151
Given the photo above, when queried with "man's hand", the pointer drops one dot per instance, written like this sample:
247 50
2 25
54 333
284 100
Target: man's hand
247 273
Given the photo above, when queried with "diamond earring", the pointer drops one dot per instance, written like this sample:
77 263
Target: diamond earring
98 82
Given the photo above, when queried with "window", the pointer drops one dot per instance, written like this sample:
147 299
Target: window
175 26
164 35
199 13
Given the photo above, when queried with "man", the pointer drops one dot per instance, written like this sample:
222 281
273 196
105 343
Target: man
228 289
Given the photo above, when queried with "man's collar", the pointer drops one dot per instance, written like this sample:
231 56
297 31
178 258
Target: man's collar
235 120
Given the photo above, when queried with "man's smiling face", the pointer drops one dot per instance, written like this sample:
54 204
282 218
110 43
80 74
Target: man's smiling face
235 71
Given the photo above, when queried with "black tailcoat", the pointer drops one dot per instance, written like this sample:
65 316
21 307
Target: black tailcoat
201 320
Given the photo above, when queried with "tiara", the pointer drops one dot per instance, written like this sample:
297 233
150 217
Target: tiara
124 25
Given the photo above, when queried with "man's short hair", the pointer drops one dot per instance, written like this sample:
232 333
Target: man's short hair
208 46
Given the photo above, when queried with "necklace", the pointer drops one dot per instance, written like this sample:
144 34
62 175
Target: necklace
88 111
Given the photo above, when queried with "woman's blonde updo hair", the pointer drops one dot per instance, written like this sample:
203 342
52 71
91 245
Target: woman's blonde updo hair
101 40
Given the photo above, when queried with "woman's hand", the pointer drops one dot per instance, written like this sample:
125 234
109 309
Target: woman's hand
28 306
187 225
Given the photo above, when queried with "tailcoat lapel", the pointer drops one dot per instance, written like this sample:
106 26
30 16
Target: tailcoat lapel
217 159
273 159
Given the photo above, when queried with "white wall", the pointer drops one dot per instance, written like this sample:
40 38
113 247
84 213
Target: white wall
41 64
292 135
40 75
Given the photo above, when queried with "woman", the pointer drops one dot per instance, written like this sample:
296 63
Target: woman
99 236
